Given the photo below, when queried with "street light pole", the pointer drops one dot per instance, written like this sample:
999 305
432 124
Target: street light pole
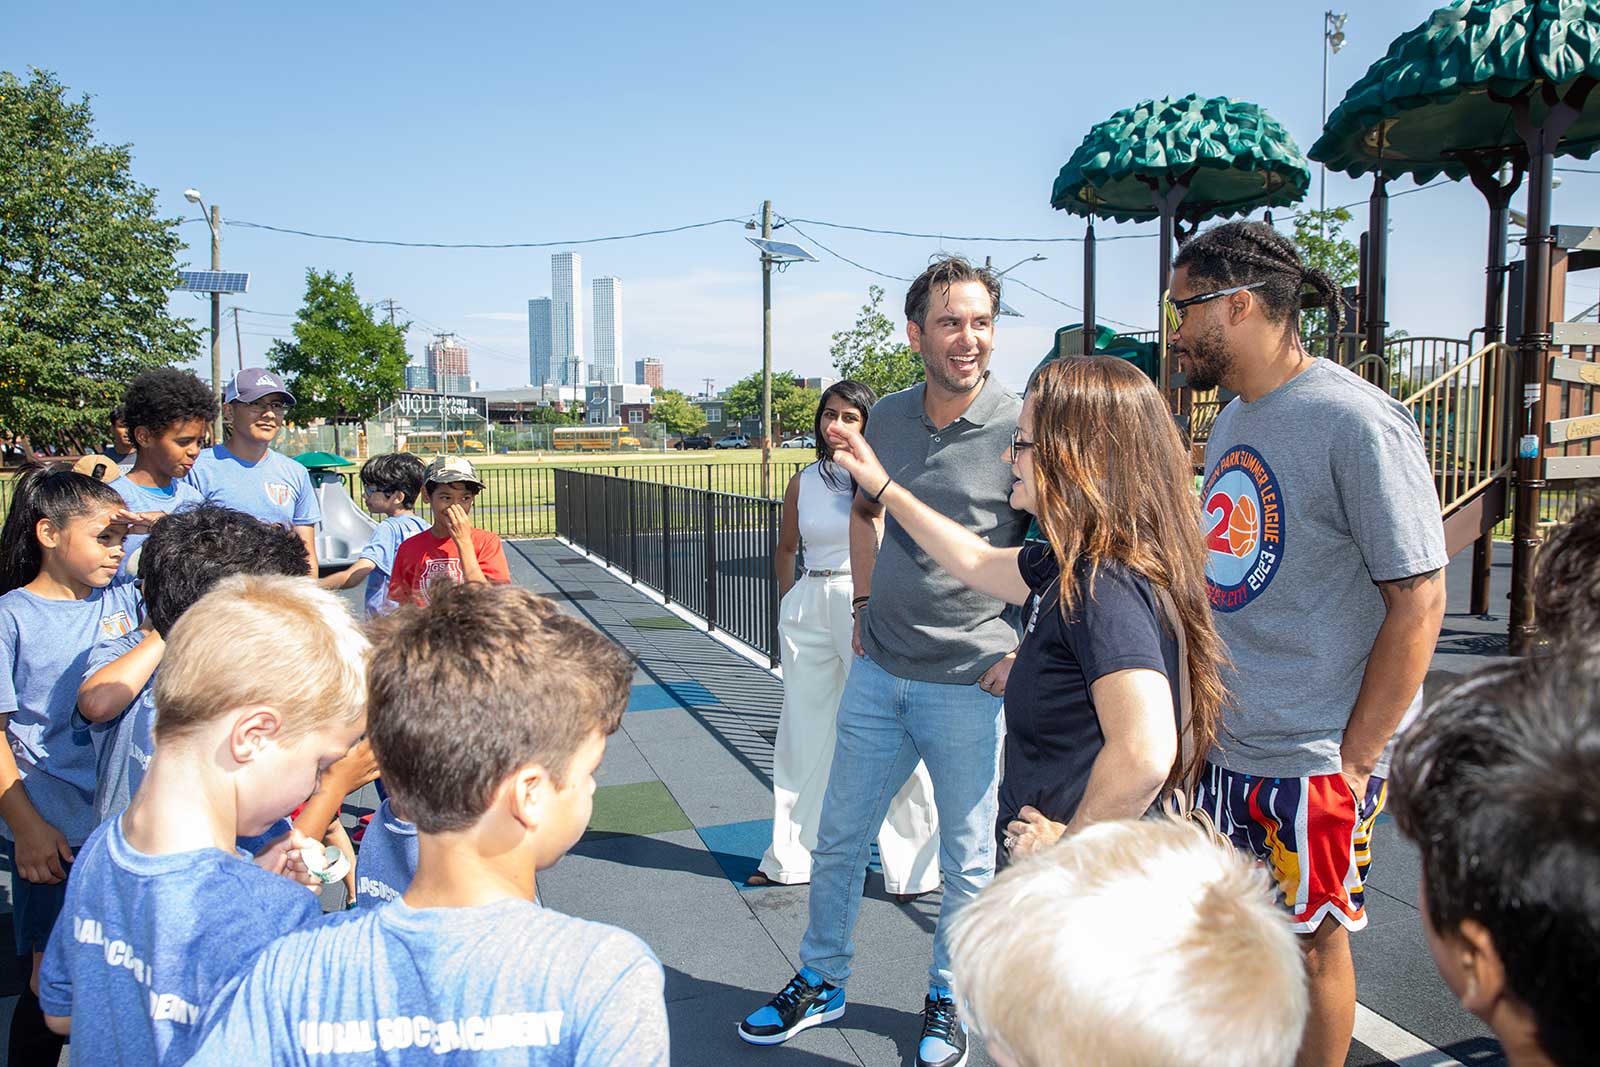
766 353
1332 41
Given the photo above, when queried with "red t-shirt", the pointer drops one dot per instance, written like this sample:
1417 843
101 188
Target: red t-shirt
424 559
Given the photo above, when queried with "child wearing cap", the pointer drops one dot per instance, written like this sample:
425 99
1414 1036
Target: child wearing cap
246 473
166 412
392 482
489 711
162 911
452 550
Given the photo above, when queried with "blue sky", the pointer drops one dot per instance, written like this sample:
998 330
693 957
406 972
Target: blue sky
533 122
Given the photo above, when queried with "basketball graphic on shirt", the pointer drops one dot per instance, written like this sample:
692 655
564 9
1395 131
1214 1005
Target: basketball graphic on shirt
1242 527
1243 505
279 493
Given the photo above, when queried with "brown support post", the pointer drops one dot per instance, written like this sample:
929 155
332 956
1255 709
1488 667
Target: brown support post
1166 203
1377 265
1088 288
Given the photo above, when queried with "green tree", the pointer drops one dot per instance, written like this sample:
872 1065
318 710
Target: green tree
86 267
676 413
796 411
1319 235
743 398
869 352
343 363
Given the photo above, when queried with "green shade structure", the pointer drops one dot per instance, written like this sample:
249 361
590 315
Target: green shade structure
1481 84
318 461
1180 161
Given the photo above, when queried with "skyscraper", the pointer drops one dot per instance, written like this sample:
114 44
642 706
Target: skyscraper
418 376
447 364
566 317
649 371
607 364
539 369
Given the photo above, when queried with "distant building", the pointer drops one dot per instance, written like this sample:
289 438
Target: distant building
419 378
608 404
649 371
566 318
606 365
447 364
819 384
539 370
712 407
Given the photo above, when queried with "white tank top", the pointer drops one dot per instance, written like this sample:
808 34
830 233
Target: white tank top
824 521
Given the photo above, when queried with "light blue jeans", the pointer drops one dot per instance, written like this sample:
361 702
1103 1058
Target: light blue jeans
885 725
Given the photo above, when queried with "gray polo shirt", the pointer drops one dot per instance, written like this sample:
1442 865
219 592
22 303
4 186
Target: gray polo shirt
923 624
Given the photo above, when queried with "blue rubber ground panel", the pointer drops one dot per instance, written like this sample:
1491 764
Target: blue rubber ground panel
652 697
737 846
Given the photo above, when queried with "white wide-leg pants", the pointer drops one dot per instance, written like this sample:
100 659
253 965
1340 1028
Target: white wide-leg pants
814 628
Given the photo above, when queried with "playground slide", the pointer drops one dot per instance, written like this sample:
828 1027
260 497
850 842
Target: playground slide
345 528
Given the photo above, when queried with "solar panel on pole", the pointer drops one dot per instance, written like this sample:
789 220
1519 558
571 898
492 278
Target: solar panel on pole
213 281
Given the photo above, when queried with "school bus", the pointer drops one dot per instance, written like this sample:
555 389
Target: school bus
593 439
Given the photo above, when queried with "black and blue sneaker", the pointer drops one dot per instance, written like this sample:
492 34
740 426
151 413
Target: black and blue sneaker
805 1002
944 1036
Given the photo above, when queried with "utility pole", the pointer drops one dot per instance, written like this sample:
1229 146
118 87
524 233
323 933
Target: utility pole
390 306
711 383
766 352
1332 41
238 343
216 320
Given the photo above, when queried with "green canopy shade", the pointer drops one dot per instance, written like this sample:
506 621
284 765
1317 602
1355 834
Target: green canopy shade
1445 90
317 461
1233 156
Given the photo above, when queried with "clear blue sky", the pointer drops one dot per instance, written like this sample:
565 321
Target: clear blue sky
523 122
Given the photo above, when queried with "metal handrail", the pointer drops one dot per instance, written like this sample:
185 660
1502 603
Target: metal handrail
1461 414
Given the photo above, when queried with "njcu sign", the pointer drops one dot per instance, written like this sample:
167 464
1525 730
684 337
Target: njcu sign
423 405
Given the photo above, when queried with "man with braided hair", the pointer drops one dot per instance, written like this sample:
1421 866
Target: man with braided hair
1325 562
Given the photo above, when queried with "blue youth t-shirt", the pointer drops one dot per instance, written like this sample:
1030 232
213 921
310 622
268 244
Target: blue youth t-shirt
388 858
275 489
502 983
122 745
46 646
380 550
144 944
177 494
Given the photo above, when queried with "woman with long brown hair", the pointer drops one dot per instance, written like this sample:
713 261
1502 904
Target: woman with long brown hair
1093 701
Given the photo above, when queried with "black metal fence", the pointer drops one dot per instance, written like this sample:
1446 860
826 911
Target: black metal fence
709 552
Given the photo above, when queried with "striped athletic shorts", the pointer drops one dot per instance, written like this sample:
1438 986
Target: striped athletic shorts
1310 833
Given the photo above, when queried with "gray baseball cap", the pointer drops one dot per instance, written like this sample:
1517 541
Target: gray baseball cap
253 383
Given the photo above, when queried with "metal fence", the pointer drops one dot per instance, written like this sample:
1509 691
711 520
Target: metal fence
709 552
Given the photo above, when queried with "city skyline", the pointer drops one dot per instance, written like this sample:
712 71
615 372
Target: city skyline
566 317
539 370
448 364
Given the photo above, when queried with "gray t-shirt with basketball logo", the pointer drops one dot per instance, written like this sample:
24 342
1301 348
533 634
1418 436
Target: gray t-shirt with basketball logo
1313 494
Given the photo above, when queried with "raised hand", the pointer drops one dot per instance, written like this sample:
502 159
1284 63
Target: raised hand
851 451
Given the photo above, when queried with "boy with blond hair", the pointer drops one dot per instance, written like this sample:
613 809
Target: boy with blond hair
162 911
488 712
1131 944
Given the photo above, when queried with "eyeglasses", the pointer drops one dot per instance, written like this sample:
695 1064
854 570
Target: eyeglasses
1018 445
277 407
1174 309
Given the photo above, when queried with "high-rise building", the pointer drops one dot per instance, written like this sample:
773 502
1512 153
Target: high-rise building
539 370
566 317
607 363
447 364
419 377
649 371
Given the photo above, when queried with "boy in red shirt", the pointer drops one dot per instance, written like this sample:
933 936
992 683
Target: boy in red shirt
451 550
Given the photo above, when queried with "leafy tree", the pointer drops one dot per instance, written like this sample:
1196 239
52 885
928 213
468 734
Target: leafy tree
549 416
869 352
796 411
343 363
676 413
1319 235
743 398
86 267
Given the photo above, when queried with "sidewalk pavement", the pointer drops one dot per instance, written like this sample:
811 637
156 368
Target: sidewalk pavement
683 811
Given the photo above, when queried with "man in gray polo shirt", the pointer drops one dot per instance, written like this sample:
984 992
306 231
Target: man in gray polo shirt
933 656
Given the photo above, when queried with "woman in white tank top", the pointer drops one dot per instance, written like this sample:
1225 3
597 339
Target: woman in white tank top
814 629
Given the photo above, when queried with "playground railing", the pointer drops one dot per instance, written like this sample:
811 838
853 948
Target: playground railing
1461 413
708 552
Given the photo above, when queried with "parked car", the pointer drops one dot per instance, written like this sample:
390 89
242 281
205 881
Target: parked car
805 440
692 442
733 440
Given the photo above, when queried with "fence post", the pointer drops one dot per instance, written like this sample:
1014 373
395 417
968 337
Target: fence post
773 509
708 542
666 544
633 537
605 520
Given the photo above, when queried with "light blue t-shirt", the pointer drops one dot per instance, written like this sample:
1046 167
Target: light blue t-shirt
46 646
388 858
123 745
144 944
143 498
276 489
503 983
380 550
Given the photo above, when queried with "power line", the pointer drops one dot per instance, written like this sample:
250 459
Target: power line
959 237
1576 170
508 244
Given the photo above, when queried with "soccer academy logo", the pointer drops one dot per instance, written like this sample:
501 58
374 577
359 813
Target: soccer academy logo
445 571
1244 528
279 493
116 624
